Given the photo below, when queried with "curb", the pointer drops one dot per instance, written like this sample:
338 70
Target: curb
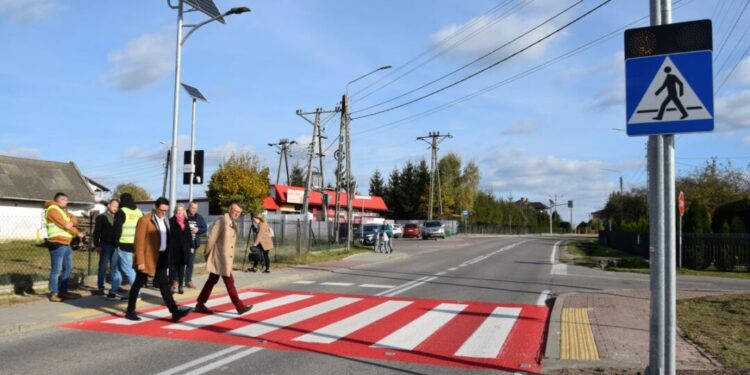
552 349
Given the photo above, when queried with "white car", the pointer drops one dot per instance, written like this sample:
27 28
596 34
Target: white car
397 231
433 229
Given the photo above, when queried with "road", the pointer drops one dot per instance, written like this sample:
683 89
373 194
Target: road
474 289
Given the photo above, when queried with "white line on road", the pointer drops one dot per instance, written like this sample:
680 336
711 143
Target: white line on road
554 251
201 360
377 286
452 268
489 338
306 282
399 291
401 286
440 273
412 334
217 364
541 301
331 283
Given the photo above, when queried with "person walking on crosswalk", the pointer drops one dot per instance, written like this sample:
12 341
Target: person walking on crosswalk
152 258
219 254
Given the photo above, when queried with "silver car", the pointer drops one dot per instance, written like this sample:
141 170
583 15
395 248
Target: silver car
433 229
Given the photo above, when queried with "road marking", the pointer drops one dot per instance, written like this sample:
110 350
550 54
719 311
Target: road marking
489 338
330 283
342 328
399 291
201 360
223 316
554 251
542 300
377 286
402 286
576 337
411 335
452 268
306 282
270 325
440 273
217 364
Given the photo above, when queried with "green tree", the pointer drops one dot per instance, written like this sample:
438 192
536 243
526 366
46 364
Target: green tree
449 168
629 209
696 219
138 193
715 184
240 178
377 185
298 176
468 187
732 217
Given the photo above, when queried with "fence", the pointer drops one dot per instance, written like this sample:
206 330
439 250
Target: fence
719 252
497 229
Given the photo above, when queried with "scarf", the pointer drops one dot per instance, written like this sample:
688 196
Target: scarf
180 221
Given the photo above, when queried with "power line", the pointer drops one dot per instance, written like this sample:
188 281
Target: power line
489 67
731 31
473 61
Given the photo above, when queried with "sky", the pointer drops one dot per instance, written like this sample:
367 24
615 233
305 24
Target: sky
92 82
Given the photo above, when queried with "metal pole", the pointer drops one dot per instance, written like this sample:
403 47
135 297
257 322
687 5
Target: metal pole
166 175
192 154
278 171
175 111
339 165
349 191
679 255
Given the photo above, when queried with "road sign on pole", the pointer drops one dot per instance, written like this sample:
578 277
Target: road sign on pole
669 79
681 206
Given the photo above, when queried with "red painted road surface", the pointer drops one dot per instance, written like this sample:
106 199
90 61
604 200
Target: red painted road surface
437 332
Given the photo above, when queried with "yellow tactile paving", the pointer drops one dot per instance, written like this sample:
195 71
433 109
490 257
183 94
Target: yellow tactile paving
576 337
120 307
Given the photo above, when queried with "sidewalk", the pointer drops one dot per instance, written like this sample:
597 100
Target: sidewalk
610 331
41 314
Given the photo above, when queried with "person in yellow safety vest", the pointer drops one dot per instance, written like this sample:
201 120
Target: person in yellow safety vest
124 234
61 228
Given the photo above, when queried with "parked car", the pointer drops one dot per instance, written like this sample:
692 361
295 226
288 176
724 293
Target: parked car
433 229
397 231
366 234
411 231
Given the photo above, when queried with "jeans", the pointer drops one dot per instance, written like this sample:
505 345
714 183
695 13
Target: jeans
61 257
109 255
126 265
189 266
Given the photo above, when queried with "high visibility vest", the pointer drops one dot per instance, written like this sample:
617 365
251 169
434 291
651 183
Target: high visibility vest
53 230
128 227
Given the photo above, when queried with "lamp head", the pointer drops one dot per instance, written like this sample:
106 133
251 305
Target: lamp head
237 10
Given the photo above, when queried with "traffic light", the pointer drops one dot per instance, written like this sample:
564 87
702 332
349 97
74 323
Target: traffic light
198 171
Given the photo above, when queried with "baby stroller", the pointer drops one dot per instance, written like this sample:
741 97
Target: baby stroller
254 255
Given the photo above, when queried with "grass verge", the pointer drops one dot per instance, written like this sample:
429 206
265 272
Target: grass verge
720 325
316 257
588 252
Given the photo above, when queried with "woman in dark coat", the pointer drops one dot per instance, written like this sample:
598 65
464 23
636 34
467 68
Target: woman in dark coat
181 245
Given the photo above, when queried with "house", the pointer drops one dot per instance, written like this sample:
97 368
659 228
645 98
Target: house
289 200
25 184
539 207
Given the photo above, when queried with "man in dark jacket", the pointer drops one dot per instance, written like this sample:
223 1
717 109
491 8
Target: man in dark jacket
197 228
106 246
124 234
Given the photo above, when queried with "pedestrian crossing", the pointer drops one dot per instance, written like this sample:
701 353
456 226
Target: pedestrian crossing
447 333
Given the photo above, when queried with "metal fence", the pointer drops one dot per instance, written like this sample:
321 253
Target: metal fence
717 252
497 229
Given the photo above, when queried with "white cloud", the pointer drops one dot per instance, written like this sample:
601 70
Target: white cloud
29 11
145 60
733 111
21 152
538 177
523 127
611 96
485 33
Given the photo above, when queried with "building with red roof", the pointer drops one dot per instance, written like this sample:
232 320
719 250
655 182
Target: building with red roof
289 199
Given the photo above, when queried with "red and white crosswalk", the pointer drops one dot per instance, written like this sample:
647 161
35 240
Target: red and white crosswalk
448 333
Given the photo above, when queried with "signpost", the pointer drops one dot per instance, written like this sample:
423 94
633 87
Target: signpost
681 205
669 90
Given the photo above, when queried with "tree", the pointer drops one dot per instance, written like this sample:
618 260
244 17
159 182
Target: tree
697 219
298 177
468 187
240 178
377 185
449 168
629 209
715 184
138 193
732 217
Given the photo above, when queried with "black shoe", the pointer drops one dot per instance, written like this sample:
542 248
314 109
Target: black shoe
180 290
200 308
252 269
132 316
243 309
266 271
115 297
180 313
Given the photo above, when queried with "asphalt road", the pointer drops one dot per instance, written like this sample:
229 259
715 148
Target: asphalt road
473 271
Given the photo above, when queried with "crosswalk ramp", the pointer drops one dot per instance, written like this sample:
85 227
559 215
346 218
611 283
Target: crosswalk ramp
446 333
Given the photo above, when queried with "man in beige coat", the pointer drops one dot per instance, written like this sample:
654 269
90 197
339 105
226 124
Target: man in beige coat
219 253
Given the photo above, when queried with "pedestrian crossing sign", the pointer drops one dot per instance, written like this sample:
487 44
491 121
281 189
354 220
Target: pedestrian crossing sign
669 79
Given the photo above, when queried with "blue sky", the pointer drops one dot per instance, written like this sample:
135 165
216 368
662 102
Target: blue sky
92 82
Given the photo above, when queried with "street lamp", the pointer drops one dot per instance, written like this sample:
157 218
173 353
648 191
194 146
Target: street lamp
196 95
209 8
345 120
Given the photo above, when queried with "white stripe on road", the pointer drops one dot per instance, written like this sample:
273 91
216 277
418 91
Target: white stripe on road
306 282
377 286
401 286
342 328
554 251
542 300
489 338
452 268
412 334
223 316
281 321
163 313
336 284
201 360
440 273
220 363
399 291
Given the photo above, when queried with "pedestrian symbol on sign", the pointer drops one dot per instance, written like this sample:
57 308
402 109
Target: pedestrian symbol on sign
671 83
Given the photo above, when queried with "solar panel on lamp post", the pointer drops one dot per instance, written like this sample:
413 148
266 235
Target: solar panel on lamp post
209 8
196 95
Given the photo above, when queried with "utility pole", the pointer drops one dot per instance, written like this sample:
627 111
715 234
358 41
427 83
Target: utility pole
316 141
435 138
283 147
166 173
